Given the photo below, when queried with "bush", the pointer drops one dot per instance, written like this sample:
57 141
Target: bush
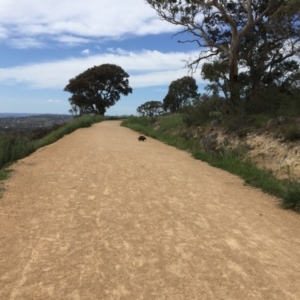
291 132
13 147
204 109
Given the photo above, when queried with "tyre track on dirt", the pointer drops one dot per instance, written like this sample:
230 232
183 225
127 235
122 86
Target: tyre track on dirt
99 215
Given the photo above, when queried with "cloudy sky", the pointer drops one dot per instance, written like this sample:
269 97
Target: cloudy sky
45 43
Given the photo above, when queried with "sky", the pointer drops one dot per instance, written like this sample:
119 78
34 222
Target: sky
43 44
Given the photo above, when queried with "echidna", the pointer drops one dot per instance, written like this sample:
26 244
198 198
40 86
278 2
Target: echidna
141 138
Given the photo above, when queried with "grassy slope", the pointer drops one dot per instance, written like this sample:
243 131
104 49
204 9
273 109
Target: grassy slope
171 130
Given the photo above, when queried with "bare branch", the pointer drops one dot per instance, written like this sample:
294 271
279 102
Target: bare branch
193 64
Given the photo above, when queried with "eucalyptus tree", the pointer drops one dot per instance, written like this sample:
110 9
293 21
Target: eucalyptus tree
219 27
150 109
97 88
181 93
270 48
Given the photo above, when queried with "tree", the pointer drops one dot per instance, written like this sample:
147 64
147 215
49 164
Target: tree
267 56
97 88
181 92
219 26
150 109
271 45
216 72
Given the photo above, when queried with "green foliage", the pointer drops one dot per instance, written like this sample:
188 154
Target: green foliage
4 174
289 105
291 132
40 132
261 37
181 92
237 40
97 88
150 109
143 121
234 163
217 73
171 122
81 122
13 147
204 109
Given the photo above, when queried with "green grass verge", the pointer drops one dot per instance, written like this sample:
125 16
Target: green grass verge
81 122
4 174
233 162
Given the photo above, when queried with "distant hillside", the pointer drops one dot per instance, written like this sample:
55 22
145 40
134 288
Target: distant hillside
19 115
30 122
14 115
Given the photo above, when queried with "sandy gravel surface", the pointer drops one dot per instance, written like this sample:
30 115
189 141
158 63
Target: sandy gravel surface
99 215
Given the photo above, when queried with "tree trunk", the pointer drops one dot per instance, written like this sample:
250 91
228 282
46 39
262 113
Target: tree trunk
233 77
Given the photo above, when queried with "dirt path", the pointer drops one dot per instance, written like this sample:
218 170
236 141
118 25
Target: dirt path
99 215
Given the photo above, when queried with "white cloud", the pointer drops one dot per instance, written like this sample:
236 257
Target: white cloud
53 101
85 52
89 19
3 33
71 40
27 42
146 68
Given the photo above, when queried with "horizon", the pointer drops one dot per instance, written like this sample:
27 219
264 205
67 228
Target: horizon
50 44
39 114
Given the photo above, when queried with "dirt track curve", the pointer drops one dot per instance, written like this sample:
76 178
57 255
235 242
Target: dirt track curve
99 215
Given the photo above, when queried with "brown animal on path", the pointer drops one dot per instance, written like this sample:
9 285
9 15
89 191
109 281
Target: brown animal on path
141 138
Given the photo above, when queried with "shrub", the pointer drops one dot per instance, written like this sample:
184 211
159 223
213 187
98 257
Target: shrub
291 132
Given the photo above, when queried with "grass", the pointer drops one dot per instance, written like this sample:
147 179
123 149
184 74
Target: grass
15 146
234 162
81 122
4 174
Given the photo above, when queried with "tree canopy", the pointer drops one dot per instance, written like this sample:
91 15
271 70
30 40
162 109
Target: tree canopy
97 88
150 109
257 34
181 92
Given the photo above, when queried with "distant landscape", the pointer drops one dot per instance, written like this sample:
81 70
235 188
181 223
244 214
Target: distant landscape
28 122
5 115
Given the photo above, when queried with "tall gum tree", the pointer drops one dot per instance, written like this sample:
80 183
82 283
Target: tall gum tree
218 27
272 43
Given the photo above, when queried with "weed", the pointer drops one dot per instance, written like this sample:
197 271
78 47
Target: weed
291 198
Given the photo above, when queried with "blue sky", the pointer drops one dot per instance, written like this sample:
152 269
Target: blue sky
45 43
